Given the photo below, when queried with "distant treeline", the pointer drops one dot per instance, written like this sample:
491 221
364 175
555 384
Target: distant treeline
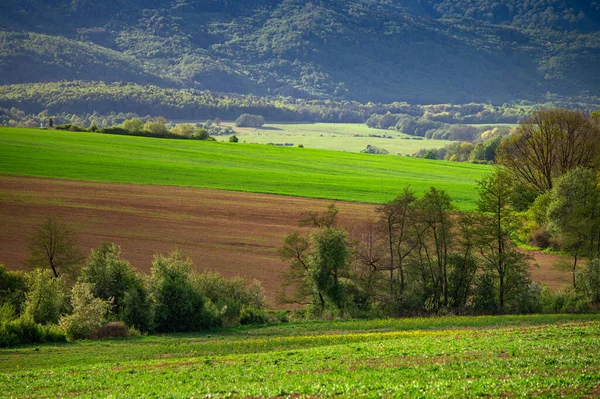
29 104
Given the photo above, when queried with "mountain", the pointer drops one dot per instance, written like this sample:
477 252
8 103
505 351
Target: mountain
419 51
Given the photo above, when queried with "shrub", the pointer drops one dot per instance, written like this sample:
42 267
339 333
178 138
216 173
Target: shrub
133 125
110 275
88 313
24 331
184 130
45 301
114 329
484 295
13 287
252 315
230 295
371 149
177 305
70 127
233 139
200 134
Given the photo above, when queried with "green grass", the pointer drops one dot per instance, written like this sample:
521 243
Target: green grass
350 137
231 166
515 356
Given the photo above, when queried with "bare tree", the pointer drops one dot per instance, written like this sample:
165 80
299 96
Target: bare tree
53 245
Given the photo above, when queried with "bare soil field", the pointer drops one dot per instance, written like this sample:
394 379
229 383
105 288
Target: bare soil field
230 232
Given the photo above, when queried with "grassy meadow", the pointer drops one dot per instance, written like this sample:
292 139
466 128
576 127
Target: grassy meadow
301 172
512 356
350 137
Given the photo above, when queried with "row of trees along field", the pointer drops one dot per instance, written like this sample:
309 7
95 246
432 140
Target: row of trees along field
421 256
68 296
106 104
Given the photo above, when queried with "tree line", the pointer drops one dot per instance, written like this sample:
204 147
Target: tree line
66 296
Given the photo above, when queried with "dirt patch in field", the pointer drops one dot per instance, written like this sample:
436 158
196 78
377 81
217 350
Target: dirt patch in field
231 232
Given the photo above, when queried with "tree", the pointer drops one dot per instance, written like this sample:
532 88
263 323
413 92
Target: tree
233 139
248 120
177 305
496 225
328 264
53 245
110 276
548 144
45 300
133 125
398 219
184 129
435 240
573 214
89 313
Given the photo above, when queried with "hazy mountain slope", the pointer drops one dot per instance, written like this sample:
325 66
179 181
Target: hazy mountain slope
423 51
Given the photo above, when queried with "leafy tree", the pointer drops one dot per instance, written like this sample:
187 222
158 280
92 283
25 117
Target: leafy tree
548 144
248 120
45 300
53 245
233 139
13 287
111 277
184 129
496 226
328 265
89 313
177 305
133 125
573 213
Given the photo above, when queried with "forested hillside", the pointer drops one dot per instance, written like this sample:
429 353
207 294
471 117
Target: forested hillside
419 51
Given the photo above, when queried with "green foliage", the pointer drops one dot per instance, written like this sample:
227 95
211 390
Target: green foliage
371 149
177 305
231 296
233 139
89 313
133 125
113 279
13 287
24 331
247 120
45 301
328 265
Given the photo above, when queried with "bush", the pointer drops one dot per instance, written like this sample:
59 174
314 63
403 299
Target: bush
24 331
89 313
109 274
177 304
484 295
233 139
13 287
45 301
230 295
70 127
371 149
114 329
252 315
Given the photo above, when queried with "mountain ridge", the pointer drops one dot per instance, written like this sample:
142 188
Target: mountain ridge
419 51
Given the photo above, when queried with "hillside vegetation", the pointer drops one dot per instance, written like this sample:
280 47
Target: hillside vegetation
232 166
420 51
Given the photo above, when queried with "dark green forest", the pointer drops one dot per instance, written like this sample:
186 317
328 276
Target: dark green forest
381 51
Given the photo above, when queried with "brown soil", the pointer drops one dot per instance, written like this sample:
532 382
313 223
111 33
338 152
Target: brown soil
231 232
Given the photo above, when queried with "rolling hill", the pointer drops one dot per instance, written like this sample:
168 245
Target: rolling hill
419 51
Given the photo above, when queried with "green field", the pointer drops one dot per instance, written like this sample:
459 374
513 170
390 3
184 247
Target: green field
502 356
231 166
349 137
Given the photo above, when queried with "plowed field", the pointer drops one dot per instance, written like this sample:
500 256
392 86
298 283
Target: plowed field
231 232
